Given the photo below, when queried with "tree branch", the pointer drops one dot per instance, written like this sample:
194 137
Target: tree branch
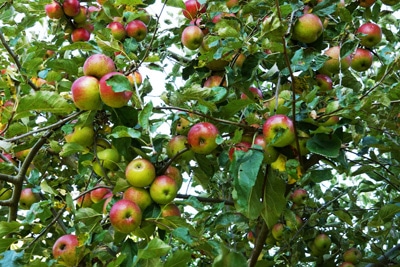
385 259
206 199
260 241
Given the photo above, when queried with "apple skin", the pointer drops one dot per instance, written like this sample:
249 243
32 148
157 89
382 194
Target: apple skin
299 196
98 194
125 216
109 158
243 146
175 174
257 93
140 172
332 65
135 78
182 126
164 189
361 60
294 226
346 264
308 28
352 255
86 93
370 34
80 35
322 243
213 81
192 37
54 10
84 201
277 231
192 9
65 248
136 29
169 210
5 193
366 3
278 124
81 17
82 135
324 82
27 198
389 2
71 7
117 30
175 145
98 65
111 98
139 195
202 138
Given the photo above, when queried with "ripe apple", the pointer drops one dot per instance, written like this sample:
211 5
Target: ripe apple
251 237
107 201
71 7
65 249
169 210
332 65
213 81
257 93
82 135
135 78
175 174
370 34
322 243
278 231
81 17
324 82
390 2
202 137
308 28
84 201
243 146
111 98
125 216
100 193
5 193
117 30
80 35
352 255
177 144
192 37
278 130
346 264
85 93
28 197
140 172
192 9
299 196
366 3
54 10
98 65
163 189
361 59
139 195
136 29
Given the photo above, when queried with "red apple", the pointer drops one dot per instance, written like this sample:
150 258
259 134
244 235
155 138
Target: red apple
352 255
71 7
163 189
177 144
192 9
366 3
170 210
100 193
278 231
136 29
54 10
361 59
81 17
333 65
192 37
278 130
86 93
111 98
80 35
242 146
125 216
65 249
299 196
213 81
140 172
117 30
324 82
28 197
84 201
370 34
175 174
257 93
308 28
98 65
202 137
139 195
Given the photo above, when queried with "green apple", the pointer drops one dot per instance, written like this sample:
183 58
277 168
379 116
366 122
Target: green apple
82 135
125 216
177 144
352 255
5 193
308 28
278 231
139 195
278 130
65 249
270 154
117 30
109 158
322 243
202 138
164 189
390 2
140 172
299 196
169 210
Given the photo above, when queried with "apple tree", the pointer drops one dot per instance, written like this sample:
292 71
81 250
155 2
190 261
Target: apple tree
199 133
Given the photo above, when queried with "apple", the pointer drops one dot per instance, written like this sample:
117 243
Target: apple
324 82
192 9
108 198
82 135
84 201
109 158
389 2
243 146
346 264
362 59
81 17
322 243
28 197
296 224
86 93
144 16
278 130
5 193
192 37
352 255
98 65
125 216
100 193
333 65
136 29
213 81
65 249
140 172
299 196
54 10
111 98
366 3
169 210
175 174
135 78
117 30
163 189
139 195
217 18
80 35
257 93
177 144
278 231
231 3
102 144
308 28
370 34
202 137
182 126
71 7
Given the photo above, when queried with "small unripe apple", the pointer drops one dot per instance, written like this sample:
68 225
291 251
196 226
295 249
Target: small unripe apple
65 249
117 30
322 243
86 93
299 196
109 158
192 37
182 126
164 189
80 35
125 216
352 255
136 29
140 172
71 7
308 28
202 137
98 65
361 60
28 197
54 10
370 34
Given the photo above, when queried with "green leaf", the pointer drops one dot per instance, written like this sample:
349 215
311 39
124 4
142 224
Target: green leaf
229 258
119 83
83 46
154 249
129 249
11 258
175 3
344 216
384 215
179 258
8 228
44 101
67 65
123 131
5 244
319 176
226 219
182 234
325 145
129 2
88 215
145 114
71 148
325 8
